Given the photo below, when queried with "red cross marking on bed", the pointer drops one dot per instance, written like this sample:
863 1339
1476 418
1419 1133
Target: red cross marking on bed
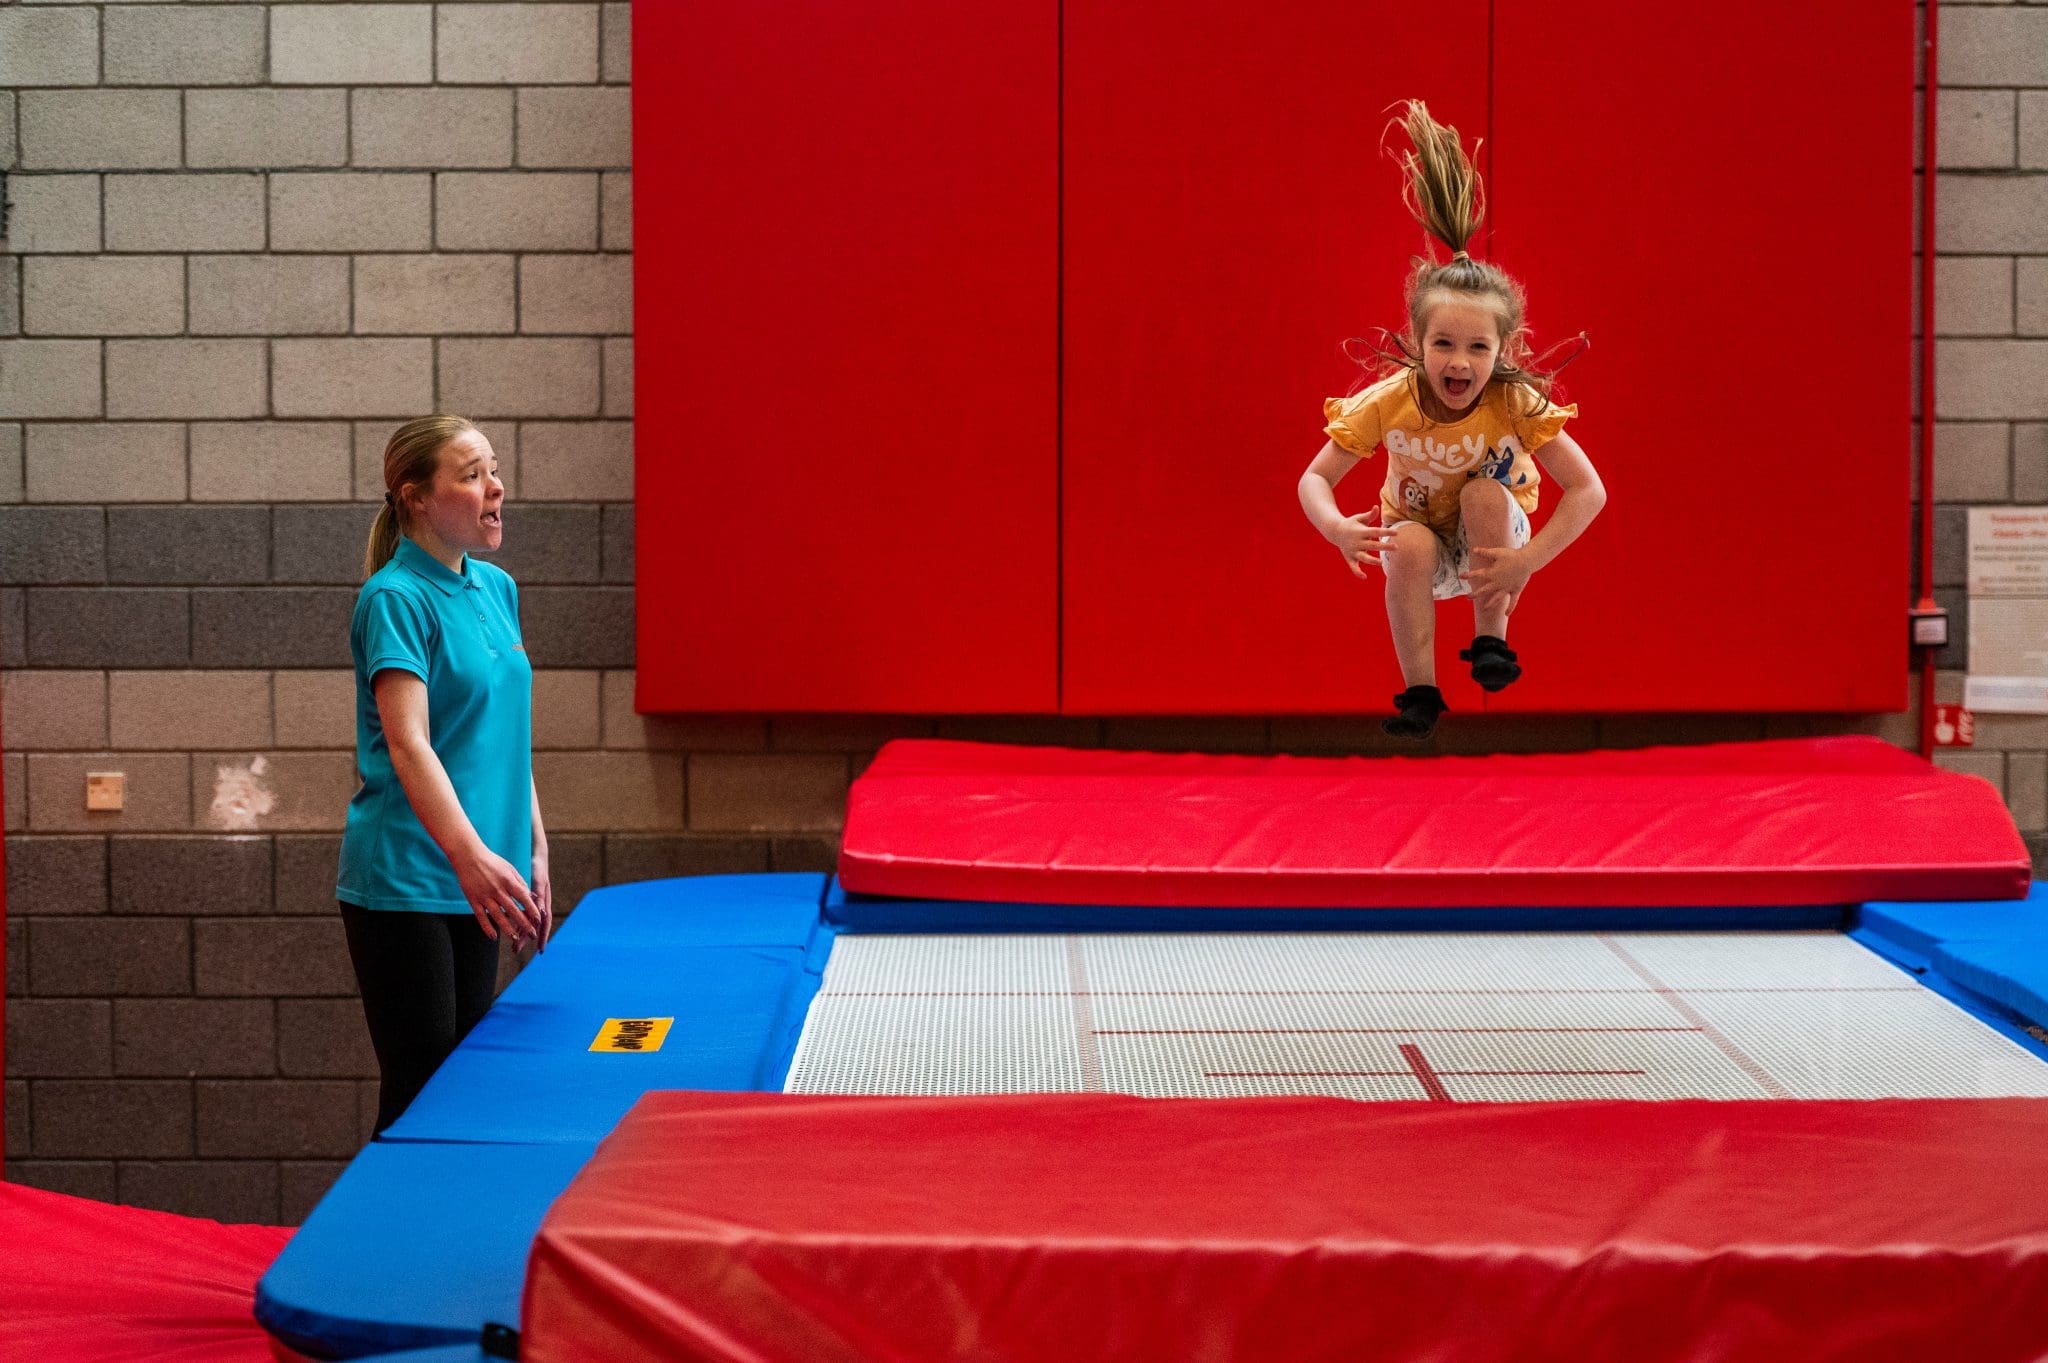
1431 1078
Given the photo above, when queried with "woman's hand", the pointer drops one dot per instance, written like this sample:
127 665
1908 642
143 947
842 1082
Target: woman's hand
543 894
1361 539
1497 572
499 898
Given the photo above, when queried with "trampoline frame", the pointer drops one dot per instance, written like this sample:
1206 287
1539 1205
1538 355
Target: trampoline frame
649 928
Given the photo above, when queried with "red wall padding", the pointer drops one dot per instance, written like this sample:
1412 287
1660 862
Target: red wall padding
845 294
1722 196
770 1227
1229 221
980 347
1788 822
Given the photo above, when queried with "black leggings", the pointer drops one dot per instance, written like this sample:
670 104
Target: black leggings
426 978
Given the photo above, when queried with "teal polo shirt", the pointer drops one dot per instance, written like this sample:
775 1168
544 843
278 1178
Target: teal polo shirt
459 633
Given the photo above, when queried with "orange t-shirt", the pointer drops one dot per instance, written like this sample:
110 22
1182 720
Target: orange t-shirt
1429 462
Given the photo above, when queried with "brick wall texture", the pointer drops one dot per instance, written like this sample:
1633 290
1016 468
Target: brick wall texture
245 238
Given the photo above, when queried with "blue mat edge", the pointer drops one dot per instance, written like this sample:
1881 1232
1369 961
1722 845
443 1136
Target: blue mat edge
1889 931
1987 1011
320 1333
353 1337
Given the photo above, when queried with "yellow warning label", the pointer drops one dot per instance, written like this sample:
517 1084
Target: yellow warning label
631 1034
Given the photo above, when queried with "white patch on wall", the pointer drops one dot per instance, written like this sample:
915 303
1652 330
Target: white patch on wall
239 796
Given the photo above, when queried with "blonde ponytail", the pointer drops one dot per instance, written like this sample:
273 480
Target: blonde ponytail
383 539
1438 181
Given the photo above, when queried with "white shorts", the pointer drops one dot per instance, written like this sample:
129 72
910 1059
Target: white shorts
1454 556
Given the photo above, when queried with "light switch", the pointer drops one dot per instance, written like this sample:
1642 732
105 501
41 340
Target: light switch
105 789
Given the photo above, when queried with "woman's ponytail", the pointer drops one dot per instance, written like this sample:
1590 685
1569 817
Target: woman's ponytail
383 538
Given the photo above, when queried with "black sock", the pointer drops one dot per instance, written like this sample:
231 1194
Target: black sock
1493 662
1420 707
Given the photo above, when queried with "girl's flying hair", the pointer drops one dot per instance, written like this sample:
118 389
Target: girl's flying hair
1442 189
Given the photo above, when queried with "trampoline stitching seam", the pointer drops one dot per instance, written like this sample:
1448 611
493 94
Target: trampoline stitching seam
1685 1010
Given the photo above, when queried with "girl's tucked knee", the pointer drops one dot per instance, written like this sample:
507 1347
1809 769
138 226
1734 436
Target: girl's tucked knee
1413 549
1484 492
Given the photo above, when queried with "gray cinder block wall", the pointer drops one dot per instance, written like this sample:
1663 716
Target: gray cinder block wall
244 240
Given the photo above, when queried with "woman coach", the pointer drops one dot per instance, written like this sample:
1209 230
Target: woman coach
444 851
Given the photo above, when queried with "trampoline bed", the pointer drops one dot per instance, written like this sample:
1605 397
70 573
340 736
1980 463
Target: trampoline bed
1384 1017
1046 1125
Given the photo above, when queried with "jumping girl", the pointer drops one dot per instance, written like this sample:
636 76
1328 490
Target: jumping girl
1464 419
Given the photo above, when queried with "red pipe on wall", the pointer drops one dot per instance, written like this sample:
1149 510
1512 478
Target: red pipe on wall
1927 178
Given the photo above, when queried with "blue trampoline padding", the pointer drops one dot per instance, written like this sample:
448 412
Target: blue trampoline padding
1914 930
2012 973
415 1246
862 913
1996 1016
711 911
526 1071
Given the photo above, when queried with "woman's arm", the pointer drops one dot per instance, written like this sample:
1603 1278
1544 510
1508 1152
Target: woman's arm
1358 538
496 894
543 883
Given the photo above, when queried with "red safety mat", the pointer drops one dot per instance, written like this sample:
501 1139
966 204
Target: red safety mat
87 1282
1063 1227
1789 822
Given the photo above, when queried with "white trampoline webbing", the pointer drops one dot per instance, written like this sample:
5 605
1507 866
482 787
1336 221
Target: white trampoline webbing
1467 1017
1087 1047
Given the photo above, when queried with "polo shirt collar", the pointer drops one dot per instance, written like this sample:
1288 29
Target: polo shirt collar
425 566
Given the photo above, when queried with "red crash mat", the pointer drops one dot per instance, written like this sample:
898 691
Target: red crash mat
1789 822
1067 1227
86 1282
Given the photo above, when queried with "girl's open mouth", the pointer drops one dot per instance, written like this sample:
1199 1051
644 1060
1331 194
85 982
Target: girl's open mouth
492 518
1457 388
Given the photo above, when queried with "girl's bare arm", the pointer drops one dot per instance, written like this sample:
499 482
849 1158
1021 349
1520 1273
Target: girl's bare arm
1583 496
1359 538
1318 487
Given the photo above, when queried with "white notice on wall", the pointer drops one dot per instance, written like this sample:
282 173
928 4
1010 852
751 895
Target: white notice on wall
2008 610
